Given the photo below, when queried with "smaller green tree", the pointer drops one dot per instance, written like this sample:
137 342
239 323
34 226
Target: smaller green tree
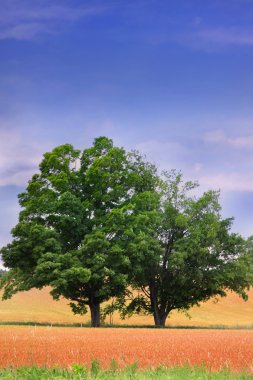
182 251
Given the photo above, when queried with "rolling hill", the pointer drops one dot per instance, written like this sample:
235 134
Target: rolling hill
38 306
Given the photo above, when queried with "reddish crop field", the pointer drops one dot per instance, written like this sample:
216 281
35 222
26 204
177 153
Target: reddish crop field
45 346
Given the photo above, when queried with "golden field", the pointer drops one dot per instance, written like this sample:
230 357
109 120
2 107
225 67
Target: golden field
63 347
38 306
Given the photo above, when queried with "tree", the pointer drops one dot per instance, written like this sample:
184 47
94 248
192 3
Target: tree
67 236
249 245
2 271
95 222
182 251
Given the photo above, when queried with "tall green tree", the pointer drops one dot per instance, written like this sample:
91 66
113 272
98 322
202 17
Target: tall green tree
67 236
182 251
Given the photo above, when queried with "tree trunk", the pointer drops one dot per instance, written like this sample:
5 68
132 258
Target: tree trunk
160 319
160 314
95 314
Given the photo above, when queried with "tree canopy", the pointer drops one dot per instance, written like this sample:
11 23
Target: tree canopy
2 271
97 223
182 251
66 236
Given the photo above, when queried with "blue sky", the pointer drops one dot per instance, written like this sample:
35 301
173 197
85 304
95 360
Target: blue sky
173 79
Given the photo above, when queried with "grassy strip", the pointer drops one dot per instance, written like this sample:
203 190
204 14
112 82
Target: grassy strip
78 372
83 325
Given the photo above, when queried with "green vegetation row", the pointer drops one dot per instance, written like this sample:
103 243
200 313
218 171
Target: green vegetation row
125 326
132 372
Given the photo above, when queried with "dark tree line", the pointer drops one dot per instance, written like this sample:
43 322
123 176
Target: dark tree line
97 223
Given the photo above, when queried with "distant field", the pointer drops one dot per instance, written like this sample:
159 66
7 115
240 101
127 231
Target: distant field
63 347
38 306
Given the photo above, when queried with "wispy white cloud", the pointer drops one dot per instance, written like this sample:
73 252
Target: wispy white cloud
165 154
215 38
25 19
24 31
19 157
19 178
168 155
219 137
229 36
227 182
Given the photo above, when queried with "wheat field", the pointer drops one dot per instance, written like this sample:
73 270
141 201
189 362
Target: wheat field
38 306
63 347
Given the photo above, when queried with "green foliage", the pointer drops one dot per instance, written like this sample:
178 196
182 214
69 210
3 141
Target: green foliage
94 222
2 272
73 214
182 250
78 372
249 245
95 367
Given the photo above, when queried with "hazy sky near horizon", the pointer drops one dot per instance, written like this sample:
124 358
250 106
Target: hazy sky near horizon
173 79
